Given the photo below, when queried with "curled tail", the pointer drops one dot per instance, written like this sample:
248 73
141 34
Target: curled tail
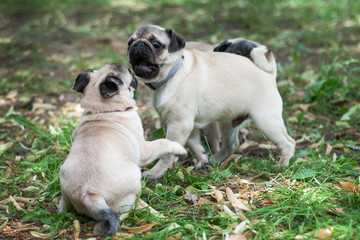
259 54
264 59
109 222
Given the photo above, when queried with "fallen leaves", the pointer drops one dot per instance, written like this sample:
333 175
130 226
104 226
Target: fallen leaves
236 203
217 195
349 187
320 234
138 230
18 202
77 230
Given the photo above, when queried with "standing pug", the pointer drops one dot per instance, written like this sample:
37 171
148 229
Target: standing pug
193 88
101 175
259 54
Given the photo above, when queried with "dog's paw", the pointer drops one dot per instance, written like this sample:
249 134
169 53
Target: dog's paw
202 165
152 174
282 164
178 150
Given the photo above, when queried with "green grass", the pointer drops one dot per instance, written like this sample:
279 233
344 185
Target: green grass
45 45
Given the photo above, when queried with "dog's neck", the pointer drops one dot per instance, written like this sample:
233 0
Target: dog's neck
172 72
90 112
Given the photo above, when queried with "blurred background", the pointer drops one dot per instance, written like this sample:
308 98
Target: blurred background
44 45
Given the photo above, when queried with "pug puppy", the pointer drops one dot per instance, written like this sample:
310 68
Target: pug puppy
193 88
101 175
259 54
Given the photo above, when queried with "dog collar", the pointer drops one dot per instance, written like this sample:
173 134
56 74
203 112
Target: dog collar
172 72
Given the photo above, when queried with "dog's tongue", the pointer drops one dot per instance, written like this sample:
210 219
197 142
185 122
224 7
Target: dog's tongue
143 66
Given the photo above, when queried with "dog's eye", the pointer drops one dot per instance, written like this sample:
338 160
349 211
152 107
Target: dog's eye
156 44
130 42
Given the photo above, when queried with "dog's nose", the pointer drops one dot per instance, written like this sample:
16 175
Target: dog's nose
140 45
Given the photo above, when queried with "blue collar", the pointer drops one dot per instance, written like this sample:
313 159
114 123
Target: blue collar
172 72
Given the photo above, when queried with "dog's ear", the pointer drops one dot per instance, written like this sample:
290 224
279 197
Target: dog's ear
134 82
176 42
82 81
110 86
222 46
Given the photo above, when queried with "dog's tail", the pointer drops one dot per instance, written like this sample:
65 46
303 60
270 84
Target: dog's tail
264 59
109 221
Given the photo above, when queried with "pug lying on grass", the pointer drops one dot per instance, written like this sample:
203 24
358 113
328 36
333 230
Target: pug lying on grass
101 175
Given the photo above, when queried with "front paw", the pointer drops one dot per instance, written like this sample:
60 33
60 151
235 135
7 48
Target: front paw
179 150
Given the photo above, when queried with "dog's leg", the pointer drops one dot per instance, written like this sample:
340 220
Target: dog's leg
178 132
213 136
230 141
155 149
195 146
63 204
272 126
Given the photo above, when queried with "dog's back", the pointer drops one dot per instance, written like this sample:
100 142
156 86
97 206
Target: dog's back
259 54
93 177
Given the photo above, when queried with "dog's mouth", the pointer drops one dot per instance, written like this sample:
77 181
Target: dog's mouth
142 62
144 69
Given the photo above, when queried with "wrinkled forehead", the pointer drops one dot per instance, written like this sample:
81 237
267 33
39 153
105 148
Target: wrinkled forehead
150 31
117 69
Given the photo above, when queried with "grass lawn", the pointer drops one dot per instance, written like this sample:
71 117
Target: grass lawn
44 45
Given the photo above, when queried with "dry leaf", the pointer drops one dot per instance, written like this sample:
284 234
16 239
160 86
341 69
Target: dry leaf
40 235
6 146
267 146
217 195
236 202
16 205
335 210
266 202
229 159
8 172
203 200
225 163
240 228
310 116
304 107
236 237
175 236
139 230
349 187
4 208
141 204
122 235
242 147
77 230
11 94
329 148
242 217
323 234
191 199
30 201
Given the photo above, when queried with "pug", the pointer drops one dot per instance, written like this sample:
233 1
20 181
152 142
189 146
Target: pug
259 54
101 175
192 88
